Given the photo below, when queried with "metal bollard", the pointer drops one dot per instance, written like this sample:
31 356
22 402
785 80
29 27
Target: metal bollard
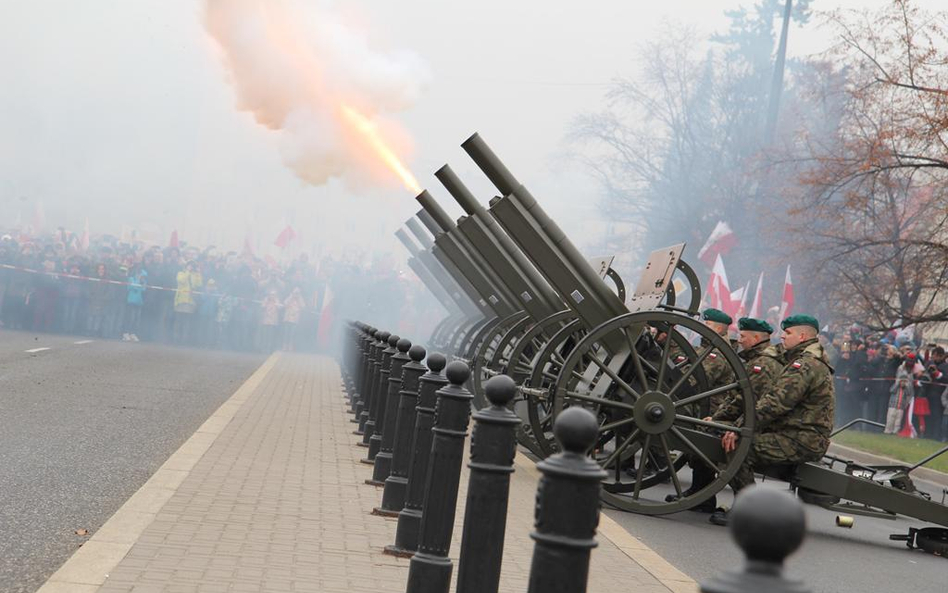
493 446
378 395
396 483
768 525
409 520
567 509
430 568
380 344
367 340
355 363
385 424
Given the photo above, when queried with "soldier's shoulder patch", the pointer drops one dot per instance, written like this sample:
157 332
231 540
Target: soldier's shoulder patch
680 358
757 368
713 355
796 364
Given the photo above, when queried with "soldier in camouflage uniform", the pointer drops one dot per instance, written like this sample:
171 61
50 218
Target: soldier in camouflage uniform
795 417
718 372
762 361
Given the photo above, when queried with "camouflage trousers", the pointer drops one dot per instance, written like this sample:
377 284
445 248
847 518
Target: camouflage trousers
770 448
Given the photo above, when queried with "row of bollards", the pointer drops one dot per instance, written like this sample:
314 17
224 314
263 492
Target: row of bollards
414 418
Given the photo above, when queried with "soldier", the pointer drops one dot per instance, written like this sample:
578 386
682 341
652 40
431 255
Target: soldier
718 373
795 417
762 361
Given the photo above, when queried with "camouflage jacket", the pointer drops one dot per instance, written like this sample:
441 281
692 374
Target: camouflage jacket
718 373
801 403
763 363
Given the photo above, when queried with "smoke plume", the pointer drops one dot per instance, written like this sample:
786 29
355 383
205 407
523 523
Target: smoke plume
305 73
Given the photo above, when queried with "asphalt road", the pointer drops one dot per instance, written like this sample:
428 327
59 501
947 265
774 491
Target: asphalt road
832 559
82 427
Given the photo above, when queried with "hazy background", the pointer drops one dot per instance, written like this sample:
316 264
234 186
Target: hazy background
119 111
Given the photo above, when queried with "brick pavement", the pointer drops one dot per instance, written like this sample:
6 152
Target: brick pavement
277 503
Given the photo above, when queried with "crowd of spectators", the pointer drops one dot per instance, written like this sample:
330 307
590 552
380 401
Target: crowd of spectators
890 379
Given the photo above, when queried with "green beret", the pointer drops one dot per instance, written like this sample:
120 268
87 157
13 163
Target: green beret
754 325
795 320
716 315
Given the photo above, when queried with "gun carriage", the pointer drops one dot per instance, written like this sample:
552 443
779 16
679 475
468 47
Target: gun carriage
547 318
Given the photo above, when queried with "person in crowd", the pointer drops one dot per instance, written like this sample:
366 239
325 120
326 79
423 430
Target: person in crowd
134 300
292 312
100 293
207 314
900 394
938 376
73 295
269 321
189 281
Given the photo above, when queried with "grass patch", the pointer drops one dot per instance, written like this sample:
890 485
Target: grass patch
896 447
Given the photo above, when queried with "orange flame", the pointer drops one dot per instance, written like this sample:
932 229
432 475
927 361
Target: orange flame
374 140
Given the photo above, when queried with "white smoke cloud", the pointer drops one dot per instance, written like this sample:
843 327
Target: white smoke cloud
294 65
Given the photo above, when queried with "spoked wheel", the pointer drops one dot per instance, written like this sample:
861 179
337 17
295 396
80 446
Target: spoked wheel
483 351
544 370
651 398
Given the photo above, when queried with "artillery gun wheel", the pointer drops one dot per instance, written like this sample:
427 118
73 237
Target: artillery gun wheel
650 395
686 274
494 341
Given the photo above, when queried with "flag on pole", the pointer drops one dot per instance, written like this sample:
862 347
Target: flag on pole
908 428
755 309
786 304
285 236
720 242
173 241
84 239
719 295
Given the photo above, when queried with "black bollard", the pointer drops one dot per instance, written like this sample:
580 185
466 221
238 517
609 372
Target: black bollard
368 425
355 365
409 520
396 483
567 509
377 414
430 568
388 407
384 359
493 446
367 340
768 525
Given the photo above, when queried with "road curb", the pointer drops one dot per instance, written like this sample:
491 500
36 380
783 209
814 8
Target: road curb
663 571
89 566
860 456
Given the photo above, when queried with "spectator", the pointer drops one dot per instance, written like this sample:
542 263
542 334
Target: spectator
100 293
185 303
901 394
134 301
269 321
292 311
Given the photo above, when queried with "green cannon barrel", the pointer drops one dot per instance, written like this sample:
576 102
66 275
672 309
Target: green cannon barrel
458 248
534 293
544 243
441 286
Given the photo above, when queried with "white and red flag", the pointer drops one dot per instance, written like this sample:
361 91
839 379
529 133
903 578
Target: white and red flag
720 242
285 236
719 295
755 309
786 304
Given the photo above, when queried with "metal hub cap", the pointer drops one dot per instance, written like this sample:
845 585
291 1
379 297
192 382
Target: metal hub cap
654 412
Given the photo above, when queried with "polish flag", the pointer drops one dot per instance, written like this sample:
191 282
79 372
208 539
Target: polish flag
739 302
285 236
786 305
719 295
720 242
755 309
908 428
173 241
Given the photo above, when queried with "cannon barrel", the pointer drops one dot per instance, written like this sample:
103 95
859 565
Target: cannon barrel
490 257
439 257
458 247
506 254
439 283
544 242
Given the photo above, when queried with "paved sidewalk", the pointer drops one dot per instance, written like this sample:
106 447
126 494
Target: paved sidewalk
274 500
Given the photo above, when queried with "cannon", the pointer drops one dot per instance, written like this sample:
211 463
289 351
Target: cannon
636 363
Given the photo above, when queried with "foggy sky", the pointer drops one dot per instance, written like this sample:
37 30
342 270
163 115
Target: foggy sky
119 111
